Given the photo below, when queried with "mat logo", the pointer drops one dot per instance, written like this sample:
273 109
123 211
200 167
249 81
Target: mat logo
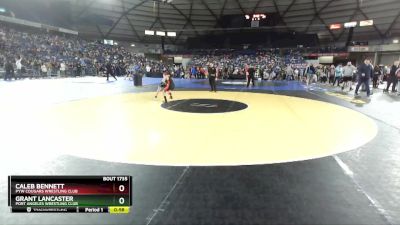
204 105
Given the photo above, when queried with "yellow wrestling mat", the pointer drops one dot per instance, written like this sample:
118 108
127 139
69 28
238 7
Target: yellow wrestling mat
134 128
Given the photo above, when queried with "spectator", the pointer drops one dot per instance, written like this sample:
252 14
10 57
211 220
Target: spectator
331 74
289 73
9 70
348 72
44 69
338 75
377 74
310 73
392 79
62 69
19 68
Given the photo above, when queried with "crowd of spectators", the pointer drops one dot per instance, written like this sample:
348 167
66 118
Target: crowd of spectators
43 54
35 53
268 64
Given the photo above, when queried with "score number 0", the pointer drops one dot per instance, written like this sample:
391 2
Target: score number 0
121 200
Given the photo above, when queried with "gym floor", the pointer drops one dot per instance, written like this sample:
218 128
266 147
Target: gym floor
276 153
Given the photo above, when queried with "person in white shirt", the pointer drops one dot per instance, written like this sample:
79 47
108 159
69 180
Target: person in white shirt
296 74
19 68
148 68
43 68
62 69
265 74
289 73
348 72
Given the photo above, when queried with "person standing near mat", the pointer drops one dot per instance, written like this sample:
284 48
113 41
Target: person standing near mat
250 75
212 76
109 70
9 70
348 72
377 74
310 72
19 68
365 72
289 73
331 74
338 75
392 78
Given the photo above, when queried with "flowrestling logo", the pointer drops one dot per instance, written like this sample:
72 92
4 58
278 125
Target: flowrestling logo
204 106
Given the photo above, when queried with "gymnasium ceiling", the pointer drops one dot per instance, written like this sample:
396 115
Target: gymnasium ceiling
127 19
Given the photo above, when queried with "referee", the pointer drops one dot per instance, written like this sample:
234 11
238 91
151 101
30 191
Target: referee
365 72
212 76
250 77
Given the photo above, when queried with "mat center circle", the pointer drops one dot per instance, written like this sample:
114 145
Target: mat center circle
204 105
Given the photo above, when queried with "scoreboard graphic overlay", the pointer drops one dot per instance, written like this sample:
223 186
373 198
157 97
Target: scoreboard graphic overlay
70 194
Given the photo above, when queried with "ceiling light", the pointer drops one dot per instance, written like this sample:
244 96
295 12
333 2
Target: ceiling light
160 33
171 34
350 24
335 26
364 23
149 32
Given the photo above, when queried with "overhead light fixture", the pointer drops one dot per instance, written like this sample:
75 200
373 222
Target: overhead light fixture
365 23
171 34
149 32
164 1
335 26
350 24
160 33
132 45
395 41
115 43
